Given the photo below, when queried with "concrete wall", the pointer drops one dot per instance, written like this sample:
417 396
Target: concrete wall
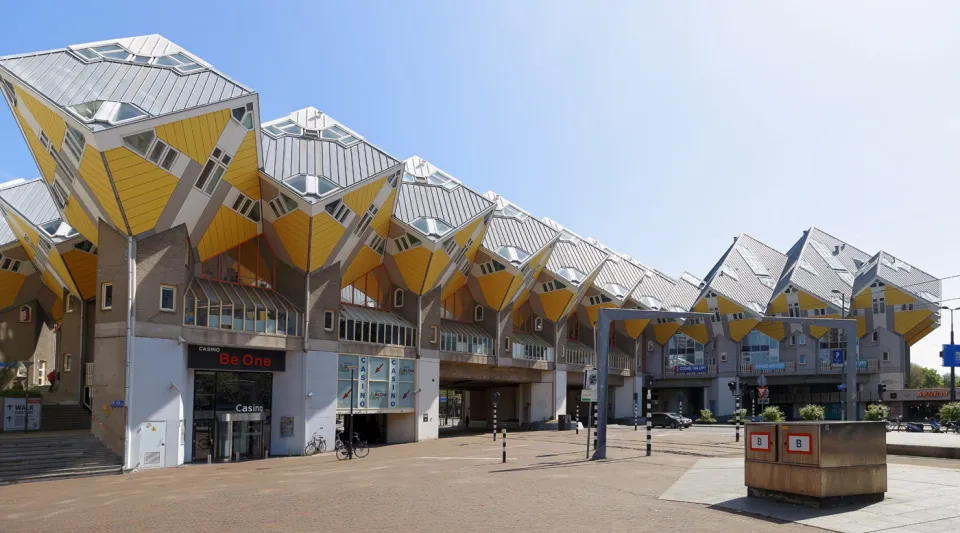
623 397
324 295
161 260
321 407
289 399
428 399
159 390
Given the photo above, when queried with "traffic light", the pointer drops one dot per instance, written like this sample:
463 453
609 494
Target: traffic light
881 388
753 393
732 385
636 395
648 380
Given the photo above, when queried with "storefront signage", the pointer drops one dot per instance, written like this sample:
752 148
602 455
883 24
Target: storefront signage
248 408
769 366
381 384
918 394
690 369
227 358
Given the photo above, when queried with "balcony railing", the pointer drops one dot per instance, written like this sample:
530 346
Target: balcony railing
864 366
618 360
689 371
756 369
578 354
530 347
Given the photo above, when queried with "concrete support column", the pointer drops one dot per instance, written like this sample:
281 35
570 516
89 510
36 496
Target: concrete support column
428 399
542 399
560 392
623 397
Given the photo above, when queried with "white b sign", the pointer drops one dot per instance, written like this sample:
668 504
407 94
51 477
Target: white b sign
798 443
760 442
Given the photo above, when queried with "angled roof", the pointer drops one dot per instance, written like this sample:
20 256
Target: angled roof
344 164
820 263
67 78
622 272
512 226
32 200
654 289
747 273
453 203
901 274
684 294
573 251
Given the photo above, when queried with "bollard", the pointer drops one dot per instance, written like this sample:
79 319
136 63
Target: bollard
738 418
636 421
649 423
494 422
589 428
753 408
576 421
237 456
595 424
210 459
504 441
681 415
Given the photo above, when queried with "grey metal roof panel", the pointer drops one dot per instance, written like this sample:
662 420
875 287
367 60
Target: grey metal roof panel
529 339
529 234
7 236
455 207
32 200
365 314
289 156
734 278
908 277
683 296
866 274
571 250
464 328
655 285
66 80
621 271
827 279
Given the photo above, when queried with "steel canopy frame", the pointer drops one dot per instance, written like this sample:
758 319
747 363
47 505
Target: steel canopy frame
607 315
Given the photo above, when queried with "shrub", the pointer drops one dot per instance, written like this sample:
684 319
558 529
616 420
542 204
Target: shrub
772 414
743 417
950 412
812 412
875 412
20 393
706 417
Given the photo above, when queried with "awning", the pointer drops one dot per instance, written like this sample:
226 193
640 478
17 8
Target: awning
366 314
464 328
240 295
529 339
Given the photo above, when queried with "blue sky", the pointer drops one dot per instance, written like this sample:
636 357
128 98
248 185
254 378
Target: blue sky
662 129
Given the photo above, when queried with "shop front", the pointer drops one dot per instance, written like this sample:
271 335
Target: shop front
232 401
916 404
381 392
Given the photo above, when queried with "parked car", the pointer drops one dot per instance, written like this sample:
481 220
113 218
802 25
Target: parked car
670 420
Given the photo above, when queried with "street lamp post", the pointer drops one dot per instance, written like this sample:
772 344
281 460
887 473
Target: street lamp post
953 376
846 359
353 398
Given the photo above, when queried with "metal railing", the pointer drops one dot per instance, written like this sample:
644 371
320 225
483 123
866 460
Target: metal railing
579 357
864 366
618 360
683 371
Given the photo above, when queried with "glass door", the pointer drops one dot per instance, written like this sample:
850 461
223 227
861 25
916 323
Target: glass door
248 439
203 439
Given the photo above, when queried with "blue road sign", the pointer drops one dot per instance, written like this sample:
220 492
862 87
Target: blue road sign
842 386
950 354
836 357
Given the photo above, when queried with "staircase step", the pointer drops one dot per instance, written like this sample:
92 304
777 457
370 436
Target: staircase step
66 455
75 473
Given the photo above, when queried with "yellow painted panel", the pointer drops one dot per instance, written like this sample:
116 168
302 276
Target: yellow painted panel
80 221
894 296
294 232
51 283
635 327
808 301
593 309
438 263
10 284
227 229
663 332
922 330
50 122
93 172
365 261
381 222
861 326
702 306
464 234
697 332
195 137
324 237
779 304
360 199
456 281
515 287
56 310
554 303
143 188
864 300
43 158
740 328
774 330
817 331
25 234
727 306
56 262
83 269
413 265
494 287
243 172
904 321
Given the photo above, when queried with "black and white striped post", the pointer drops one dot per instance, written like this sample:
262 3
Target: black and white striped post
738 417
595 424
576 420
680 399
589 429
496 396
504 441
635 416
649 422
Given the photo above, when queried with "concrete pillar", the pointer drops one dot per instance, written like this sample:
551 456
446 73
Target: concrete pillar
559 392
542 399
428 399
623 397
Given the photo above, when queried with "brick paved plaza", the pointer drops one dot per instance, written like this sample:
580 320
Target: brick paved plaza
454 484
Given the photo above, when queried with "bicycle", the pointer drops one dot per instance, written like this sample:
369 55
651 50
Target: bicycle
317 444
359 448
896 424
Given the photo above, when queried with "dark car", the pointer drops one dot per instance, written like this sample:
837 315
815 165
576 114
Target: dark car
669 420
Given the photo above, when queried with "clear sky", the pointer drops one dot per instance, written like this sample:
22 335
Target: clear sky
663 129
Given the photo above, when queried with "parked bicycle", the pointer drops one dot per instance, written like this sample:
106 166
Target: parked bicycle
317 444
358 448
896 424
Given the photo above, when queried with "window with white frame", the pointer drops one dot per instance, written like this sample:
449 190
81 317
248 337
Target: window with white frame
906 307
478 313
45 141
366 220
552 285
793 310
328 320
490 267
450 247
68 303
106 296
716 314
406 242
694 321
723 358
736 316
9 92
463 251
60 193
538 324
875 336
243 115
398 298
311 187
802 359
75 142
163 155
212 172
598 299
821 311
339 211
9 264
433 227
886 356
879 306
247 207
168 298
283 204
375 242
108 112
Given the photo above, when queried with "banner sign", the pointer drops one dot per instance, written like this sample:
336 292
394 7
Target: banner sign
226 358
770 366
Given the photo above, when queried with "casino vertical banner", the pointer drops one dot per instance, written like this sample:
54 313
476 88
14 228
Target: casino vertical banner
393 383
363 382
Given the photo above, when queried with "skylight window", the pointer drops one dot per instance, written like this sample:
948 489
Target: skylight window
846 277
287 127
768 281
757 308
572 275
438 178
513 254
180 61
651 302
804 264
752 261
616 289
827 255
337 133
434 227
107 112
510 210
115 52
244 115
926 295
311 187
691 279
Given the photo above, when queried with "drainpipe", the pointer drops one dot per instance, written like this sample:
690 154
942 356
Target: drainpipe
416 395
83 353
496 352
127 393
306 349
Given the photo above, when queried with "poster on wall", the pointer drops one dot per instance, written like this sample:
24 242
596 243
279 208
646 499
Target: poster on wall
26 314
362 383
14 413
380 384
378 395
286 427
405 383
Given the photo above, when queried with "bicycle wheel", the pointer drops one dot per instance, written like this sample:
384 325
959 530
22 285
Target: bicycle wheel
361 449
341 453
323 446
310 449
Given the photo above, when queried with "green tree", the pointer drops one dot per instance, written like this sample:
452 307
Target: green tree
875 412
812 412
950 412
772 414
924 378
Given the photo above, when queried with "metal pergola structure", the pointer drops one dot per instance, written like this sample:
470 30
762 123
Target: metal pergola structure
606 315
